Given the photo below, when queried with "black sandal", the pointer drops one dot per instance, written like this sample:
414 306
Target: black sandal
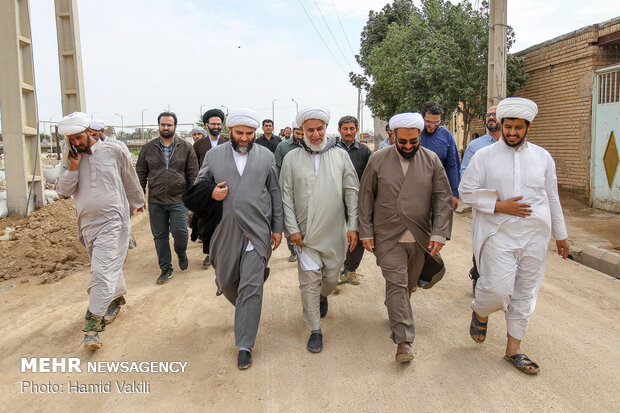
476 328
522 362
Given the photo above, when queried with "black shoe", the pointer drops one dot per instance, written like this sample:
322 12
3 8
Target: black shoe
206 263
315 343
323 306
183 261
165 275
293 257
244 360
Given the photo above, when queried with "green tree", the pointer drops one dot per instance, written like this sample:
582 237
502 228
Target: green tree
436 52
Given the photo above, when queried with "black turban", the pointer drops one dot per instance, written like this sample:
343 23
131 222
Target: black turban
212 113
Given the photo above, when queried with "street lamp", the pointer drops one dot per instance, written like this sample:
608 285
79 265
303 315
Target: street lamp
296 105
273 111
51 133
225 107
142 129
122 124
92 115
201 112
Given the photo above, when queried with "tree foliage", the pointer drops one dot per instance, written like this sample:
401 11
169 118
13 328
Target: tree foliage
436 52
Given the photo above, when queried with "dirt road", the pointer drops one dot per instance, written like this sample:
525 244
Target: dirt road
574 336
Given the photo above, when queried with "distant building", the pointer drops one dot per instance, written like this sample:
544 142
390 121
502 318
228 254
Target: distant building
575 80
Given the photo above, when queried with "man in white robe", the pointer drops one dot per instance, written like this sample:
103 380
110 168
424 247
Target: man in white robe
318 180
512 188
105 188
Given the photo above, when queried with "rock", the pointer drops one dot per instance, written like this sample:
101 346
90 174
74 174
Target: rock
49 266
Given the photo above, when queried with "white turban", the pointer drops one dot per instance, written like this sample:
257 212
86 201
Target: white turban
520 108
318 112
407 120
74 123
97 124
242 117
295 125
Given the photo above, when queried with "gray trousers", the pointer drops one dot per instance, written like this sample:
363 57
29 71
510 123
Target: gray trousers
168 219
245 292
312 284
401 269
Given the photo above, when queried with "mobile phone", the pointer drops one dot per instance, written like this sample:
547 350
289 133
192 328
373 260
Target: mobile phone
73 151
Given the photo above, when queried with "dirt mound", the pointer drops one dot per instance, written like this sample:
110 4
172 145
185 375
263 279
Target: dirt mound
44 247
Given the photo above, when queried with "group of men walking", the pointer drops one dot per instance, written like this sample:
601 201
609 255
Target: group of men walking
332 199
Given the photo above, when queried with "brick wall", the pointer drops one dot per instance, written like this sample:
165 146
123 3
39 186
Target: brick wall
561 76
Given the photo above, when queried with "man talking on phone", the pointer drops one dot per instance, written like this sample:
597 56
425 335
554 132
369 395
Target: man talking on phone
106 189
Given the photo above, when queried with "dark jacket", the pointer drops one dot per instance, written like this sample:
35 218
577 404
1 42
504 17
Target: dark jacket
202 146
270 144
166 183
359 154
208 211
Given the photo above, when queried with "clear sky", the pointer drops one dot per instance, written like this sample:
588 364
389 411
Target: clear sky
188 54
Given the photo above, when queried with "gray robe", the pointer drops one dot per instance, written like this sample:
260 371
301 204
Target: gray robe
252 210
391 203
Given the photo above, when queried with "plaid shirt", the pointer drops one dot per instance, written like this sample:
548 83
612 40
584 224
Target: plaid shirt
167 150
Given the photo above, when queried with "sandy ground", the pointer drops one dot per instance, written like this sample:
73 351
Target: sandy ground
573 335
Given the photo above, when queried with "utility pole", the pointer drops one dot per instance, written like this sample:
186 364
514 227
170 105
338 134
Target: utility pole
18 100
273 111
496 83
359 104
70 57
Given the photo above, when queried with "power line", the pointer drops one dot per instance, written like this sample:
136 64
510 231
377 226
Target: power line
322 39
332 34
342 27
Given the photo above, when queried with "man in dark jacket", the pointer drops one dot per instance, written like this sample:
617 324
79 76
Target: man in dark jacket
359 154
168 164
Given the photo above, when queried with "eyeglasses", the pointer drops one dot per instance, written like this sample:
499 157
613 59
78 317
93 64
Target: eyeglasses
488 115
214 124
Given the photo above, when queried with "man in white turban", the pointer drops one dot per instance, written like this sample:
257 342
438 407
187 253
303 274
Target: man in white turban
512 188
319 188
106 189
251 224
97 131
284 148
405 214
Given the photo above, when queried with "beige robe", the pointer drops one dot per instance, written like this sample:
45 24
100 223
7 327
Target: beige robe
391 203
314 204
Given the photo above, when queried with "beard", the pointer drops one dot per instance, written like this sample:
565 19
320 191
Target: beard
242 149
407 155
519 142
167 133
215 132
315 148
493 128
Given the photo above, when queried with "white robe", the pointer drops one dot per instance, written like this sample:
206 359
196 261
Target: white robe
104 187
511 251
